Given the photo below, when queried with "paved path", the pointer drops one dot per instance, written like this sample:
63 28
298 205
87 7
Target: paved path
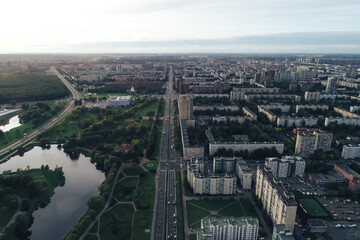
106 204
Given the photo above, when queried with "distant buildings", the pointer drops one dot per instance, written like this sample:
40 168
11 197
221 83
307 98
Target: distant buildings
286 166
309 140
278 203
312 96
228 228
185 103
119 101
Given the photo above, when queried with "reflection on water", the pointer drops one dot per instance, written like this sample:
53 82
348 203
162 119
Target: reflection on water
68 204
14 122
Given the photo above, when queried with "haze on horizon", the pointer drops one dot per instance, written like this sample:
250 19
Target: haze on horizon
180 26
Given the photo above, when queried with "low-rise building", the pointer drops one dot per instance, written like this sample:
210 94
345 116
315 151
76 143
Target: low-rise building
280 232
346 172
287 121
270 115
119 101
324 178
245 146
345 113
312 107
350 151
312 96
345 121
316 225
228 228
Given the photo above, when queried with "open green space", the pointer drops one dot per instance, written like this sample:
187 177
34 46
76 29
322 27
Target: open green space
32 118
116 224
142 225
34 188
125 189
197 209
159 129
313 208
145 193
152 165
150 108
21 87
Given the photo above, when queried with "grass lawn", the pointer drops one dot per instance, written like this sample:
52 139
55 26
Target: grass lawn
151 108
116 224
145 193
90 237
94 228
313 208
197 209
192 237
142 222
152 165
133 170
125 189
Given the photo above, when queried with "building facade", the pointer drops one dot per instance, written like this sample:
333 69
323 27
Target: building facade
278 203
287 166
244 174
185 103
228 228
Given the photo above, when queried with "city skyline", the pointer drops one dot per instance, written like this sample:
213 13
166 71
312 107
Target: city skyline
181 26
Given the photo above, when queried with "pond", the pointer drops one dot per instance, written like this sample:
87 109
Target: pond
68 204
14 122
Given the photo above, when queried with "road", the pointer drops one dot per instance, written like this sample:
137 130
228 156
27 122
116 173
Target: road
25 140
169 162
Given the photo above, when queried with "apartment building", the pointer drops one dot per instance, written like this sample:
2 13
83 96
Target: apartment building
309 140
280 232
185 103
228 228
244 174
287 166
277 201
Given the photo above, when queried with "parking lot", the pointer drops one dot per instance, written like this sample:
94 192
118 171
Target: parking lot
342 209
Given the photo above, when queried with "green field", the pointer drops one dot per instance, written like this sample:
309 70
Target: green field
142 223
313 208
116 224
197 209
21 87
125 189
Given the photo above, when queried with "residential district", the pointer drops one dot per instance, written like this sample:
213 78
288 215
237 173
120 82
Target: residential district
266 147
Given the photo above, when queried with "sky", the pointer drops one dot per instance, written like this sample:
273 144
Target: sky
180 26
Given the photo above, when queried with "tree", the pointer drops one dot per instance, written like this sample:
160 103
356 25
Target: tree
96 202
1 133
25 205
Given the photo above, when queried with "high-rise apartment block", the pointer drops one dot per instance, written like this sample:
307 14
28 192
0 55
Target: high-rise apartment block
309 140
331 85
244 174
279 203
286 166
209 183
224 164
185 103
228 228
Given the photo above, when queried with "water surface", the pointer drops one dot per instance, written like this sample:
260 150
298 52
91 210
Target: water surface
14 122
68 204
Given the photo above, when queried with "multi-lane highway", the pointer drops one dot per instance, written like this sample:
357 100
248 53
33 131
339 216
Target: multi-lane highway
52 122
166 187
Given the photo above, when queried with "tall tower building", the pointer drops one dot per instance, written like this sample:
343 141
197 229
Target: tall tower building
185 103
331 85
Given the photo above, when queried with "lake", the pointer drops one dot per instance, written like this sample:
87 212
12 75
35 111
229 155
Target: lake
14 122
68 204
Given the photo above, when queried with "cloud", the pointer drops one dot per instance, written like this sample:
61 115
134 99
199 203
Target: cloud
322 42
